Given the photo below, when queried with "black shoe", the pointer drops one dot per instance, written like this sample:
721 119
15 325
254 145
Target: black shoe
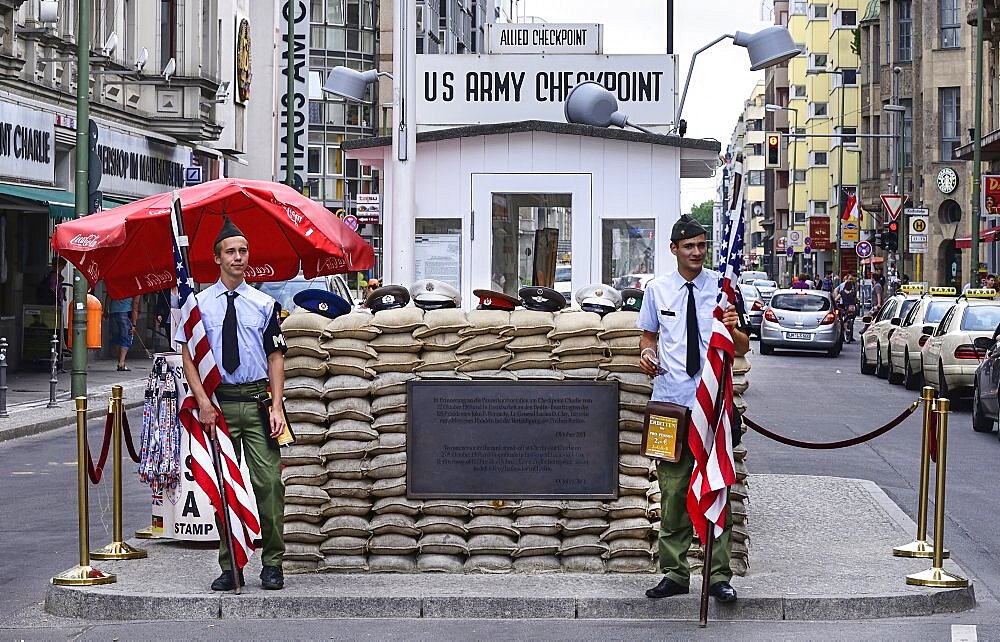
666 588
722 592
225 581
271 578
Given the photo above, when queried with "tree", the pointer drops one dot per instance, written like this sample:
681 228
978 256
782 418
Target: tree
703 214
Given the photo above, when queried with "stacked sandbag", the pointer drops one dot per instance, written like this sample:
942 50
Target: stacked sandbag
484 345
531 347
579 350
738 494
440 343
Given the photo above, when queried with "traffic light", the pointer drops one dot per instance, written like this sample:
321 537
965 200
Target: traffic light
772 158
879 241
890 236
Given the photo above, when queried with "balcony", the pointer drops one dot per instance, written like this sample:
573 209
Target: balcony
183 109
780 199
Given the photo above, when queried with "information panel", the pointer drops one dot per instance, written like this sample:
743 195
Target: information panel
512 439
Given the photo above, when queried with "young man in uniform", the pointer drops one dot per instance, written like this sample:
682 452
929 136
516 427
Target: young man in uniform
676 320
243 332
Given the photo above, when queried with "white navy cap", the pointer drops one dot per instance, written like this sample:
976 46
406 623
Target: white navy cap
599 298
431 294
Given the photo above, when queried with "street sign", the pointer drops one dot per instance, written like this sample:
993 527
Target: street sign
369 208
893 204
781 243
850 226
863 249
918 221
351 221
192 175
790 252
808 250
809 242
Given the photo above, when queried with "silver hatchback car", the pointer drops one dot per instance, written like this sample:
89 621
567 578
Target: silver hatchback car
801 320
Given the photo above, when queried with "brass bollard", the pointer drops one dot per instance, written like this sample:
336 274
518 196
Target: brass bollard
83 574
117 549
936 576
920 547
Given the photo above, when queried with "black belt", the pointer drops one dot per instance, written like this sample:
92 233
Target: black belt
240 392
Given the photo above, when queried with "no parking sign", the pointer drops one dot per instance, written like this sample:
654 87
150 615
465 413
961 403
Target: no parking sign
863 249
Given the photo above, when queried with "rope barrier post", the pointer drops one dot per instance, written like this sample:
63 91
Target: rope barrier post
3 378
83 574
919 547
936 576
54 369
117 549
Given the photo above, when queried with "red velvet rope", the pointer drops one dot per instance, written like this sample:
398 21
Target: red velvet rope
829 445
96 472
127 436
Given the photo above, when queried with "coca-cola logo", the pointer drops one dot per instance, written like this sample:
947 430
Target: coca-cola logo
158 280
94 272
89 241
330 263
257 272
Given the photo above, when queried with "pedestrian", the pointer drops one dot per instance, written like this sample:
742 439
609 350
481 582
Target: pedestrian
800 282
826 284
122 314
847 304
373 284
878 294
243 332
676 320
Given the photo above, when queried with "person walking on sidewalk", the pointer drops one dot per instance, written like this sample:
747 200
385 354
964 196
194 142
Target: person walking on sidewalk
243 332
676 323
123 314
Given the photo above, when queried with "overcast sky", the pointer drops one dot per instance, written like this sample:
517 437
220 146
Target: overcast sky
721 81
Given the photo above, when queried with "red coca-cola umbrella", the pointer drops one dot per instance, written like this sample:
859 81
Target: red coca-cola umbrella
129 247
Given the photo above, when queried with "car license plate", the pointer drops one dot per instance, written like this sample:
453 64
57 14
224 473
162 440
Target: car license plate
798 335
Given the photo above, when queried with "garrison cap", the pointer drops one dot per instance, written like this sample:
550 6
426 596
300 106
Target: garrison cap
322 302
431 294
387 297
686 228
541 299
632 299
598 298
493 300
228 230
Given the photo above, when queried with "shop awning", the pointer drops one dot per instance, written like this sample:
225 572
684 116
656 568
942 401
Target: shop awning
986 236
989 148
61 203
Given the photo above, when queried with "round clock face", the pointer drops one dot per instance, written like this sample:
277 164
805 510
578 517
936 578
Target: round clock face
947 180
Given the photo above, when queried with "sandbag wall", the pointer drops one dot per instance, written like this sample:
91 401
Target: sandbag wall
345 478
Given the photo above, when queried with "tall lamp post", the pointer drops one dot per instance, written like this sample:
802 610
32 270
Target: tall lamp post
78 374
790 155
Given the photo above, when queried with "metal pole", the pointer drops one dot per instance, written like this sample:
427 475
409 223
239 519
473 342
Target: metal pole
3 378
53 368
791 168
78 376
977 148
290 94
670 27
840 185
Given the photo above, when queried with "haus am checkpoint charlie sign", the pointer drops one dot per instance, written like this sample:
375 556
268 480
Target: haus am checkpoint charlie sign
480 89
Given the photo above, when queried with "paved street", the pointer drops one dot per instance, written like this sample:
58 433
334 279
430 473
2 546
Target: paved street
805 396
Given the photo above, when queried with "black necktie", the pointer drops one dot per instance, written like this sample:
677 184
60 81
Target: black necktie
230 342
694 339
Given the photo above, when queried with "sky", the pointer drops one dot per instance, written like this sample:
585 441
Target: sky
722 79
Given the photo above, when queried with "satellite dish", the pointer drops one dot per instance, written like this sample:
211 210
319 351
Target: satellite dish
169 69
48 11
140 61
110 45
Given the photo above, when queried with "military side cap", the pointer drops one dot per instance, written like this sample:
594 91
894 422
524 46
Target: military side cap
541 299
228 230
686 228
598 298
431 294
493 300
322 302
387 297
632 299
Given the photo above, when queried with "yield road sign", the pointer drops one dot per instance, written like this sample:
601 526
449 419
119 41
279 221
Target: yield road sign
863 249
893 204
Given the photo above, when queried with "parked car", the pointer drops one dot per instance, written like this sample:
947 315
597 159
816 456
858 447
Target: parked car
950 357
633 281
909 338
564 281
284 291
986 387
879 329
749 276
801 320
766 288
754 306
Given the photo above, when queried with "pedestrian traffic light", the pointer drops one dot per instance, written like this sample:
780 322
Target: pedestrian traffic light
890 236
773 157
879 241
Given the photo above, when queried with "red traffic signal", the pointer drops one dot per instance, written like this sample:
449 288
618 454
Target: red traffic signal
893 226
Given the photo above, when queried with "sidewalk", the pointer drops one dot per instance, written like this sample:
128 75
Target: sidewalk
820 549
28 396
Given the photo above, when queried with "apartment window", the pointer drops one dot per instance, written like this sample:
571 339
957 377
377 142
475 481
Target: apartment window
819 12
755 177
817 208
876 50
904 39
817 159
951 24
168 30
798 91
847 18
799 218
800 176
950 101
755 125
335 12
849 77
818 110
817 61
876 158
799 7
755 149
907 103
848 137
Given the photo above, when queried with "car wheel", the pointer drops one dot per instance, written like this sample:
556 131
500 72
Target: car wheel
866 368
910 380
942 384
765 349
834 352
980 422
880 370
894 377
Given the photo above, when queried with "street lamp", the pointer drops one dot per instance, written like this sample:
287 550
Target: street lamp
791 154
589 103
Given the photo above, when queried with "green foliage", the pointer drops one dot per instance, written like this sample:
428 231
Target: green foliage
703 214
856 43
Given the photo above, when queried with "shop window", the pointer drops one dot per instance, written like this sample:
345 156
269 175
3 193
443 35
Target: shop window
531 242
437 250
627 251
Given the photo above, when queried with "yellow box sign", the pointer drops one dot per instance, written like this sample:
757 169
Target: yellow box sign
850 231
661 437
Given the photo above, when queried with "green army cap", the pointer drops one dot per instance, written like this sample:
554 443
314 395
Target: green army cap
686 228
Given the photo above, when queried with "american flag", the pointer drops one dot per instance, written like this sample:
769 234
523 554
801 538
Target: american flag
242 506
710 435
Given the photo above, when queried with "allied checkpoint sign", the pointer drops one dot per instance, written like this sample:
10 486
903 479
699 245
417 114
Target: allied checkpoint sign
479 89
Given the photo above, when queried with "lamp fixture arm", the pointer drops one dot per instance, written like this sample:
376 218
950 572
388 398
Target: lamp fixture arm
687 81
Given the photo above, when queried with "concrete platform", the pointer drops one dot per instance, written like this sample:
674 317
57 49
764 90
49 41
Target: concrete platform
820 549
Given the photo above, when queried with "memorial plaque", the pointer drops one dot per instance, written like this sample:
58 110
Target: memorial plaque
512 439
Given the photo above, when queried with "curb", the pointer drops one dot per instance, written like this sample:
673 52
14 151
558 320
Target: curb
93 412
92 605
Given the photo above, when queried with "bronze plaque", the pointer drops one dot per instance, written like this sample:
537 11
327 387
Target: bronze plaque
512 439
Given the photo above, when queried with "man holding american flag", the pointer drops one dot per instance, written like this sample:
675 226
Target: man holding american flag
678 320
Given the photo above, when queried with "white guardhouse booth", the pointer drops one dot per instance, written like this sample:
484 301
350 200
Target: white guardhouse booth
503 205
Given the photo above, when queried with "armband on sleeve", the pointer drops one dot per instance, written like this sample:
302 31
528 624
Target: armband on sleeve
273 338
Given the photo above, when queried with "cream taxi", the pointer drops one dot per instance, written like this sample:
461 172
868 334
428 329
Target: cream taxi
949 357
875 337
915 328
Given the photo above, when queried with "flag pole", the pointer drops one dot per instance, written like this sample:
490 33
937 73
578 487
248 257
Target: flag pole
706 574
177 227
